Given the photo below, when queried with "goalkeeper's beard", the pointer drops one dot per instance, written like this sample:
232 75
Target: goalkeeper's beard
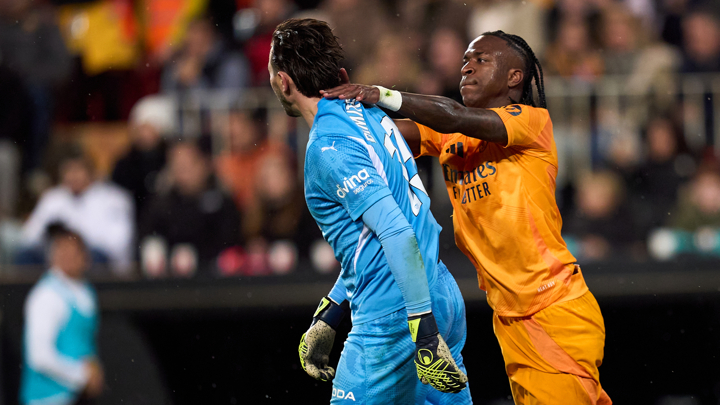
287 106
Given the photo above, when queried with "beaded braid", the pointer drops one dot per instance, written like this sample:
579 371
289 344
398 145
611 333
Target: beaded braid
533 69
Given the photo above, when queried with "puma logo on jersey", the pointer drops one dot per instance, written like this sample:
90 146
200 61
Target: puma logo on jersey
356 183
331 147
342 395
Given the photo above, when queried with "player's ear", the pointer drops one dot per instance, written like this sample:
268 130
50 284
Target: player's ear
344 78
286 82
515 77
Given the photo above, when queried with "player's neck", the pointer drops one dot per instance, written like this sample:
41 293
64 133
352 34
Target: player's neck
502 100
307 106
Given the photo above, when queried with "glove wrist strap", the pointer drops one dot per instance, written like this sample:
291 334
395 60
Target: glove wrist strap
422 326
330 312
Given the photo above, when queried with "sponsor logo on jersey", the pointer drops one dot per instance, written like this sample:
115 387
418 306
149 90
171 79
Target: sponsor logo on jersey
471 182
483 171
514 110
355 183
336 393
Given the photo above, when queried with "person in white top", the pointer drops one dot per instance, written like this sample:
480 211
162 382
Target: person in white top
61 366
102 213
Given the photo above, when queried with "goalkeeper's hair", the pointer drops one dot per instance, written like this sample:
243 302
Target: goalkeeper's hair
532 69
309 53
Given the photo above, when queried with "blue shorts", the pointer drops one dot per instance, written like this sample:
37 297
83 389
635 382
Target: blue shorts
377 367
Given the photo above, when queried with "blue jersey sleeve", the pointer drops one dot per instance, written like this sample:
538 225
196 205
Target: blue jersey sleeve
338 292
402 253
346 172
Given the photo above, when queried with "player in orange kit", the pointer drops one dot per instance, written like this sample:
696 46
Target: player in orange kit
499 161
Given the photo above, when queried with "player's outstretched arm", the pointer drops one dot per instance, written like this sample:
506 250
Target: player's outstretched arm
439 113
433 360
316 344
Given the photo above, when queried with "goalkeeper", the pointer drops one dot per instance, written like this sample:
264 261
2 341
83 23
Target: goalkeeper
363 189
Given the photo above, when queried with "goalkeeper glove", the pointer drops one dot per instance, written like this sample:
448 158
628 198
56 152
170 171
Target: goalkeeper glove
317 342
433 360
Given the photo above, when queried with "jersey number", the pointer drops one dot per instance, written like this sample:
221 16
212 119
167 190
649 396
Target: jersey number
414 182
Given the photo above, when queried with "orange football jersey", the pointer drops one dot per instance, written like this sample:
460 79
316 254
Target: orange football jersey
505 216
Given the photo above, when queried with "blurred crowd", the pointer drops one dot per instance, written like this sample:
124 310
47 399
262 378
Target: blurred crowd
96 133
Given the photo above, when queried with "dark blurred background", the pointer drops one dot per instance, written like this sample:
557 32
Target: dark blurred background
148 126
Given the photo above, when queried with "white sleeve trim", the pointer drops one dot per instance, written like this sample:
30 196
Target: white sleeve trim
45 313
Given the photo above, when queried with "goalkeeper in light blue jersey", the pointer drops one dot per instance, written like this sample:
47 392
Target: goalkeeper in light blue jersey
363 189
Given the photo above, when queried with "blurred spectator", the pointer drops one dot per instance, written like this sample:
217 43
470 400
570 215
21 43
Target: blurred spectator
601 226
15 122
573 10
573 54
151 119
618 146
701 38
9 178
246 147
444 56
222 13
256 34
15 106
671 15
32 47
656 183
628 49
204 62
525 18
101 212
359 24
104 35
391 65
195 220
423 16
164 24
60 356
275 213
699 202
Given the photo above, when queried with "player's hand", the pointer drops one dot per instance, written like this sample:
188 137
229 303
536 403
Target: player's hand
315 347
360 92
316 344
96 379
433 360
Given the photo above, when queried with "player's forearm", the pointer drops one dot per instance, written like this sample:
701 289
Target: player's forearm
402 253
406 263
448 116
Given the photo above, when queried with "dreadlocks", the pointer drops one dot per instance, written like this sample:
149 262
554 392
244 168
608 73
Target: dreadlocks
532 68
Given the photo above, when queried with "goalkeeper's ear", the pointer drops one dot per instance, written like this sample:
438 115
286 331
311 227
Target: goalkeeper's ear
344 78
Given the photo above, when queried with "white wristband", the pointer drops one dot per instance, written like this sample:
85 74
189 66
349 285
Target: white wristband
390 99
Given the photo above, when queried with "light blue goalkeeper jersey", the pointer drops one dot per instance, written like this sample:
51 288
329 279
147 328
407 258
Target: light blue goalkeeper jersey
356 156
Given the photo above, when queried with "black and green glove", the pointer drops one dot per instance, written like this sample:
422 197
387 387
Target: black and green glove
316 344
433 360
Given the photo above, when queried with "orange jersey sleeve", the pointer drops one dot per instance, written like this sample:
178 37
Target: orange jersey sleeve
431 142
505 215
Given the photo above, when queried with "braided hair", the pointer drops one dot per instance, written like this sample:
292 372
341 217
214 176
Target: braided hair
532 70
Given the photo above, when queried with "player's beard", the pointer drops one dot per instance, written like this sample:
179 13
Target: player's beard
289 110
